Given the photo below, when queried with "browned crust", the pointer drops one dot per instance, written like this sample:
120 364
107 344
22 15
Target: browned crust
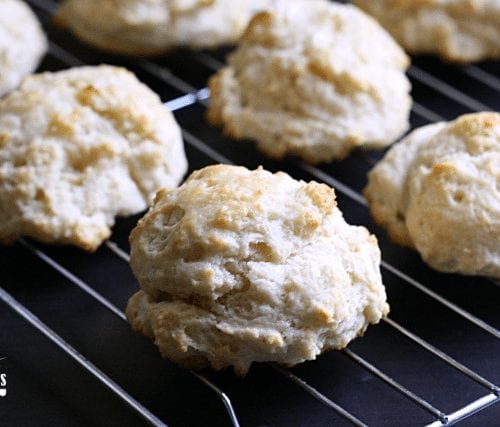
213 113
45 237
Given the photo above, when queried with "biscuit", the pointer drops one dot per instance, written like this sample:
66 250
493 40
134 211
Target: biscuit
146 27
21 46
240 266
313 79
78 147
456 30
438 191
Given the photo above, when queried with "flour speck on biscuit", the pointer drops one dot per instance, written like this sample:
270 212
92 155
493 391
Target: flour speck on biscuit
77 148
240 266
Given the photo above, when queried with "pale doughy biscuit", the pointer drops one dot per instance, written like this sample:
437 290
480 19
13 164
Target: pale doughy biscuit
456 30
438 191
313 79
22 43
78 147
238 266
148 27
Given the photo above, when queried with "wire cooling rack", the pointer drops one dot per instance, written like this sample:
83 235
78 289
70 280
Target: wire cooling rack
70 358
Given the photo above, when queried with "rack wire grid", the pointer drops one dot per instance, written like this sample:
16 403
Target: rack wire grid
71 358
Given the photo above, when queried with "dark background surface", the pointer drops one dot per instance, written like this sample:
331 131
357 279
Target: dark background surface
48 387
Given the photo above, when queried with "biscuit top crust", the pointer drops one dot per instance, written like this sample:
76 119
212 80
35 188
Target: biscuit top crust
337 43
439 191
22 43
78 147
314 79
224 213
337 31
226 225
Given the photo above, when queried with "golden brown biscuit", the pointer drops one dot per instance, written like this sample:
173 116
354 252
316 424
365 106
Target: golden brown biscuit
240 266
313 79
79 147
438 191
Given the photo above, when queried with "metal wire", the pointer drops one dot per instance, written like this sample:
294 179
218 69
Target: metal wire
482 76
204 148
72 278
75 355
64 56
444 88
443 356
403 390
187 100
465 314
164 74
225 400
318 395
468 410
118 251
426 113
